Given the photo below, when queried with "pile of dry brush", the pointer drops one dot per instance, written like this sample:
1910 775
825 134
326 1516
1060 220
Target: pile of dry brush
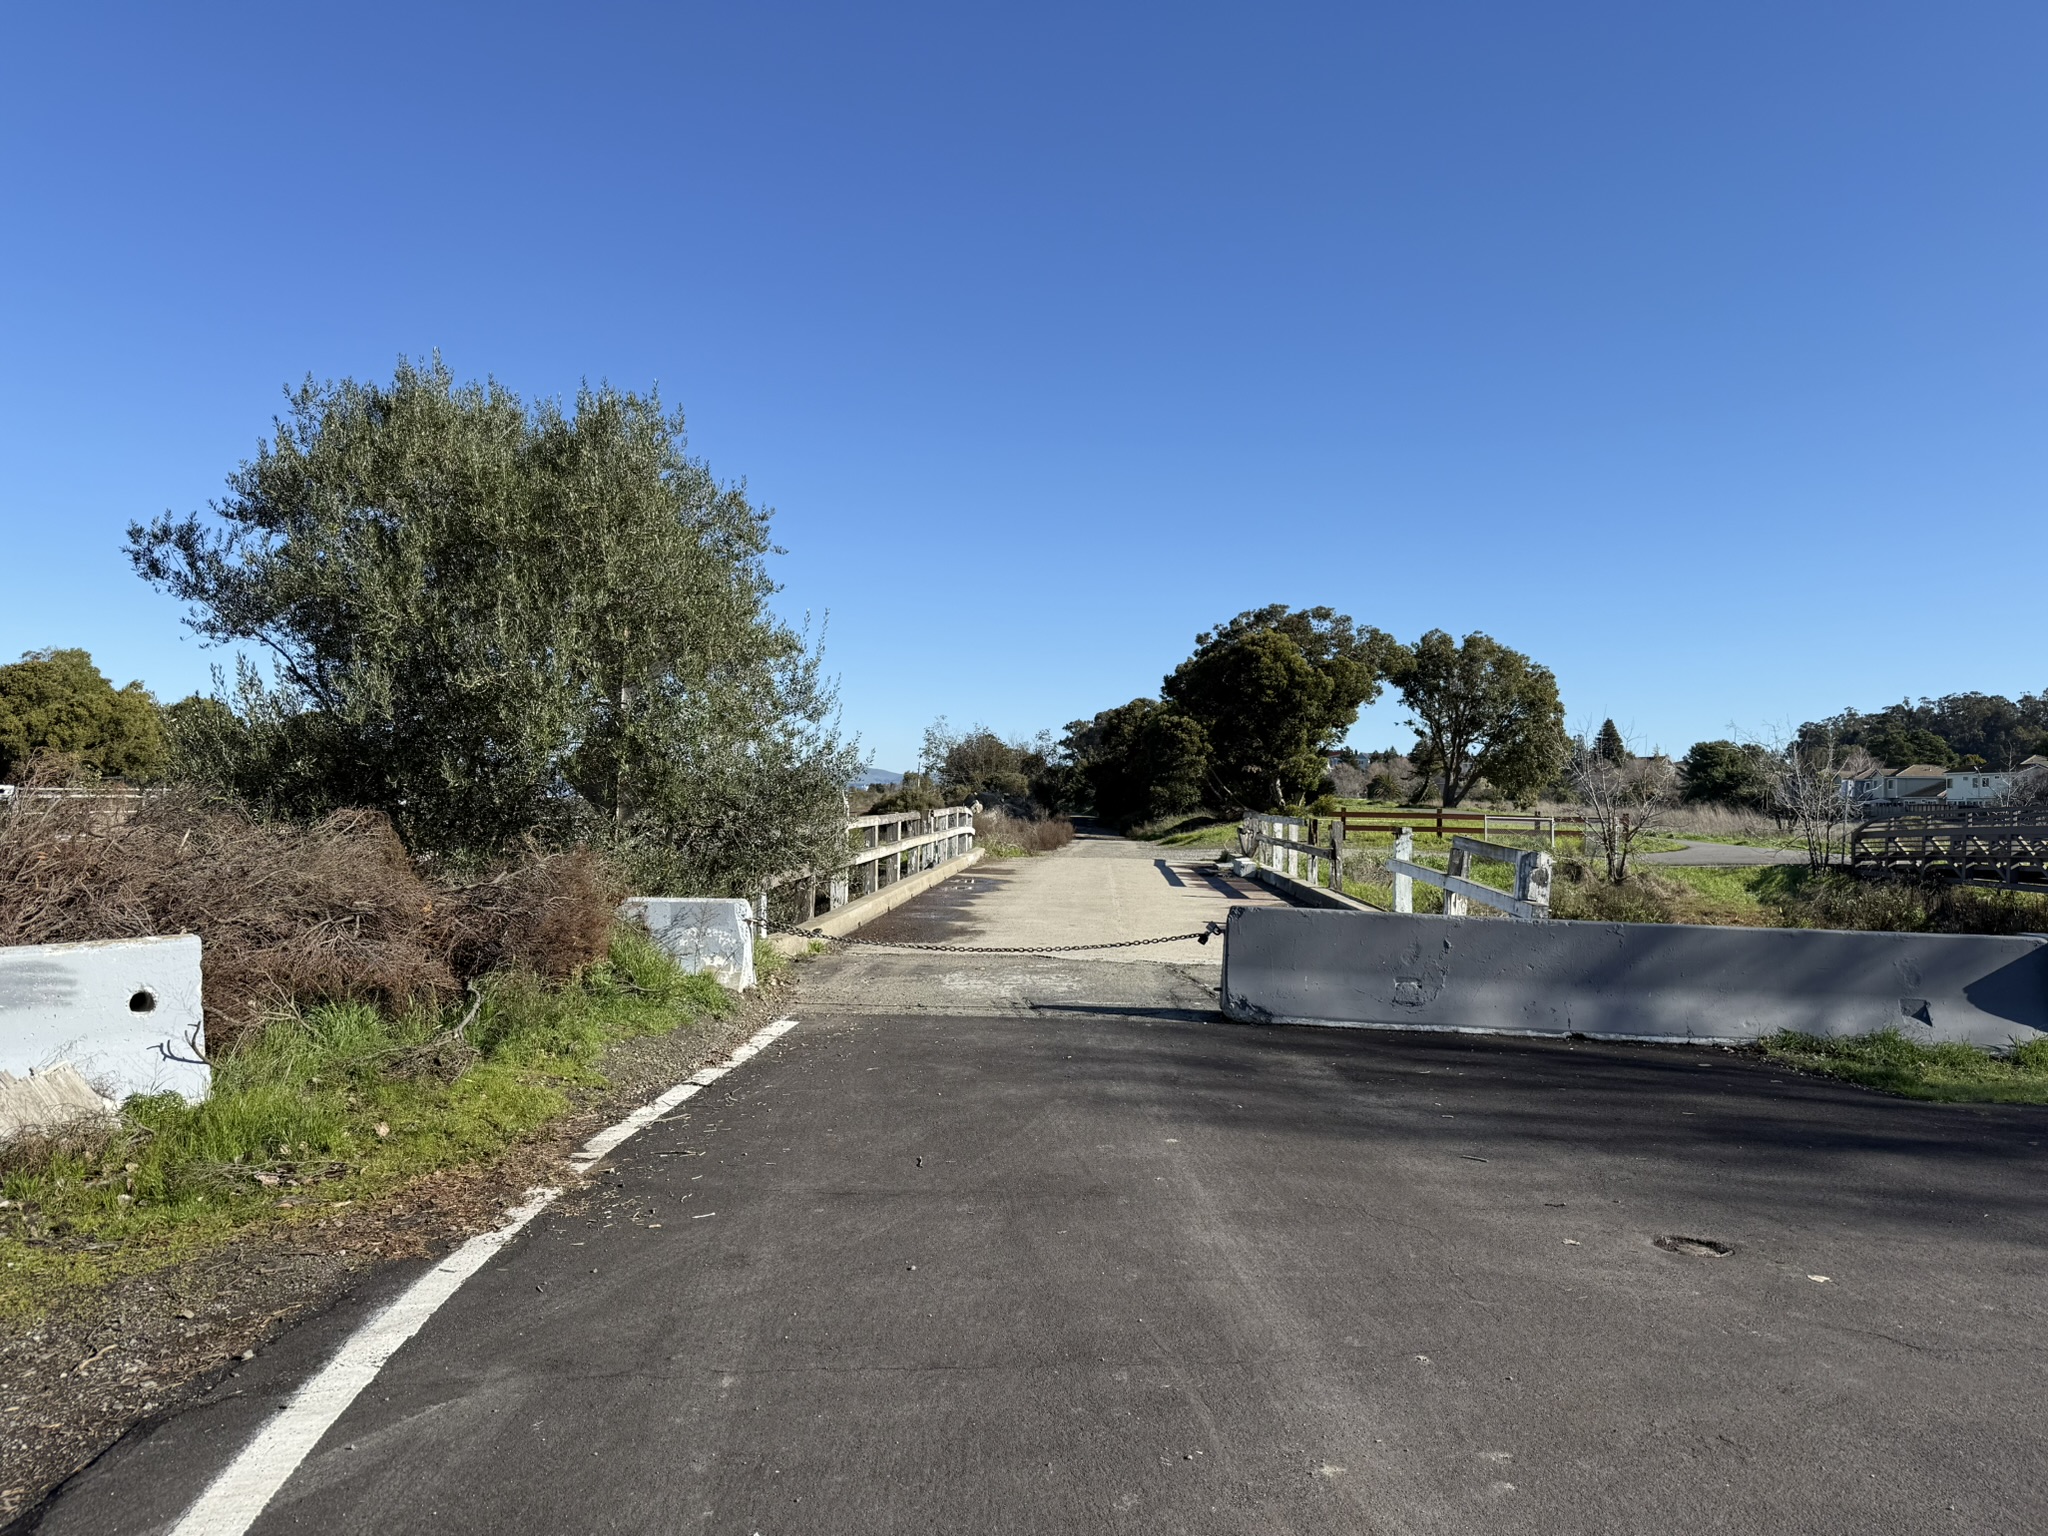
289 913
999 830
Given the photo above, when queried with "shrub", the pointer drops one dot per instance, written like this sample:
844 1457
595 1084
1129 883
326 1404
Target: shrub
290 914
1843 901
1004 836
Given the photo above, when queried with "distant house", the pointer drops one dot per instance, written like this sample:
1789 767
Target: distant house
1925 784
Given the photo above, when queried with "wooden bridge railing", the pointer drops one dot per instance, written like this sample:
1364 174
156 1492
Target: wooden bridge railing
1993 848
1529 901
880 850
1281 843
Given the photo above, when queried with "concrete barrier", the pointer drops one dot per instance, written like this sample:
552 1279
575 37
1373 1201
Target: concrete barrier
48 1100
701 933
1627 981
126 1013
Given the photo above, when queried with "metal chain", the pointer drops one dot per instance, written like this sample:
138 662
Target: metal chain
1200 936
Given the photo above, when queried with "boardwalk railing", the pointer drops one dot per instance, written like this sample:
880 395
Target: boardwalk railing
1995 848
1529 901
880 850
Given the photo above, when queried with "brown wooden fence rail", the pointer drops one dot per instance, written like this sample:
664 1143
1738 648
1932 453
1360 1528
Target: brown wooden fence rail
1447 823
1991 848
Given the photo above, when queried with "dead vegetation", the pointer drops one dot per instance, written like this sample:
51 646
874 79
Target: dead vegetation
290 913
1003 835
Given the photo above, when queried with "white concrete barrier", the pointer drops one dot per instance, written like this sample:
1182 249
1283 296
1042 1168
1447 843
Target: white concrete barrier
700 933
1628 981
48 1100
124 1012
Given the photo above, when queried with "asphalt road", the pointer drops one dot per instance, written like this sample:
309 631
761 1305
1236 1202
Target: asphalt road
1072 1272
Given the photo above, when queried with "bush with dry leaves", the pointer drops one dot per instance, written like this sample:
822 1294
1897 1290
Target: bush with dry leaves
289 913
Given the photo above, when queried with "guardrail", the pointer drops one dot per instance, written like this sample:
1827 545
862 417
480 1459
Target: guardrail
1529 901
880 851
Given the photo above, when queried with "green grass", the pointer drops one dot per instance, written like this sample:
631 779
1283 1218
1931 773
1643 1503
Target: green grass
328 1104
1950 1073
1756 892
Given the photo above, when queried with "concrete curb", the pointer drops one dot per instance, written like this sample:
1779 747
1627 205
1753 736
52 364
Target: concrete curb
844 920
1302 894
1627 981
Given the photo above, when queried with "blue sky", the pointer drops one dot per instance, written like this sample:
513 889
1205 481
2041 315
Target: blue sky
1698 351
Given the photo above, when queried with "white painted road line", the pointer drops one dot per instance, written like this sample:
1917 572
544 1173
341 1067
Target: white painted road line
245 1488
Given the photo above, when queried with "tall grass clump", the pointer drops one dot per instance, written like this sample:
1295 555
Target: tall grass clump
1838 900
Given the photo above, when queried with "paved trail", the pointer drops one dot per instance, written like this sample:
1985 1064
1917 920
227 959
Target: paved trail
982 1252
1739 855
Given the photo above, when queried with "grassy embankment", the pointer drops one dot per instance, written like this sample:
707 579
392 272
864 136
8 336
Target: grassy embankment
323 1106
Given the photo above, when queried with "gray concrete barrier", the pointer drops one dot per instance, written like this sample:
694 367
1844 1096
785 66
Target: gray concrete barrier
126 1013
701 933
1627 981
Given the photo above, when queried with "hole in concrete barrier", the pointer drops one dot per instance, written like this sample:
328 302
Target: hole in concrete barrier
144 1001
1698 1247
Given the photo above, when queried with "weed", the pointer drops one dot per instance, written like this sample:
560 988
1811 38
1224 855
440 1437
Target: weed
1949 1073
333 1102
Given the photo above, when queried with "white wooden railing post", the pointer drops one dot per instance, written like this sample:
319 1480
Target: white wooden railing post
1404 885
1459 867
1532 879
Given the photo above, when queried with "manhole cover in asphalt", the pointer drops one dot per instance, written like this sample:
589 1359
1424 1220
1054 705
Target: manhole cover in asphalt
1698 1247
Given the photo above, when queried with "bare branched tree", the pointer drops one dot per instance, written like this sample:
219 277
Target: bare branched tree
1807 790
1625 798
2027 787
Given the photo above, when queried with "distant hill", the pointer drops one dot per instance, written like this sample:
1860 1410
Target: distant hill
869 776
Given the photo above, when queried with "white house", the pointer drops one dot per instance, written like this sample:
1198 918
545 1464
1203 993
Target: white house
1924 784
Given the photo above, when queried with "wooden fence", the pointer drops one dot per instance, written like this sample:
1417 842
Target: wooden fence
880 850
1996 849
1529 901
1457 821
1284 843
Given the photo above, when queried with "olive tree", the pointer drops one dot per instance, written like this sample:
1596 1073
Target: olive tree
499 620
